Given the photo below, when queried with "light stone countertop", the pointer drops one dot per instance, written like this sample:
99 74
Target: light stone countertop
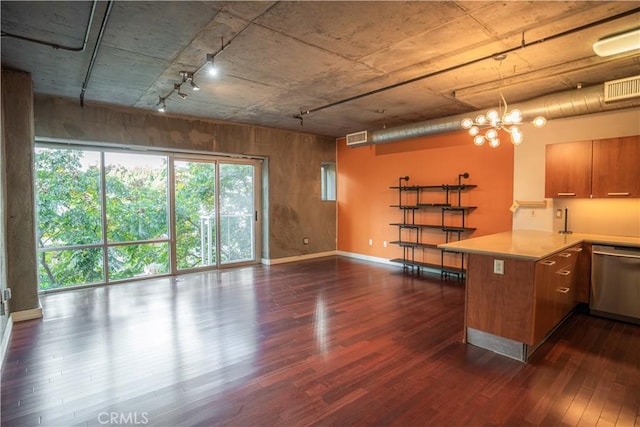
532 244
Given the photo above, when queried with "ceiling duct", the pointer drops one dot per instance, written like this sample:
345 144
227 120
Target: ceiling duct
589 100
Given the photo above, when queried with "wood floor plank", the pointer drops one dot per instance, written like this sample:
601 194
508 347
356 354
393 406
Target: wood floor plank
328 342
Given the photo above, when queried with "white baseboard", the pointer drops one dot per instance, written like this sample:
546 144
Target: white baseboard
296 258
6 337
368 258
21 316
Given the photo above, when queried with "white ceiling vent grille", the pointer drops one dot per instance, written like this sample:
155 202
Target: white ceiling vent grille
357 138
616 90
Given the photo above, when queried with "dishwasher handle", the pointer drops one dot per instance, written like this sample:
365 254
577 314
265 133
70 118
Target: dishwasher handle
617 254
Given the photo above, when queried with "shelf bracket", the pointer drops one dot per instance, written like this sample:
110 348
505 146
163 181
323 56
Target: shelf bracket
527 204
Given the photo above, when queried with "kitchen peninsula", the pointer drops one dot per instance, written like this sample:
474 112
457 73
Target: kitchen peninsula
522 284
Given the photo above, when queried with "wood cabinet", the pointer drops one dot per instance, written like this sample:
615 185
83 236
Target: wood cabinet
600 168
526 302
568 170
555 290
616 167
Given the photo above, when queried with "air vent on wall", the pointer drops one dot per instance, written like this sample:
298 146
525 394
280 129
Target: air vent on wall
357 138
616 90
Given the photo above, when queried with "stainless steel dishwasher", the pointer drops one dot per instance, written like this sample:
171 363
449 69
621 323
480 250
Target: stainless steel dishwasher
615 282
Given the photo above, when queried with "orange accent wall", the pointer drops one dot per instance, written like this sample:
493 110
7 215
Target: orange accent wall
366 173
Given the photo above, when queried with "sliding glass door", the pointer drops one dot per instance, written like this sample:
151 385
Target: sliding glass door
215 213
237 213
107 216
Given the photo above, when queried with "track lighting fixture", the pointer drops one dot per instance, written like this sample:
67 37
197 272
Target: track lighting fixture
188 76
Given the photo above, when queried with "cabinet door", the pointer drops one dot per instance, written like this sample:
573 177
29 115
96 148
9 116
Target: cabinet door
568 170
583 274
616 167
544 313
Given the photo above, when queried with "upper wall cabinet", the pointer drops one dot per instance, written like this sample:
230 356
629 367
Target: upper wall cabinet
600 168
568 170
616 167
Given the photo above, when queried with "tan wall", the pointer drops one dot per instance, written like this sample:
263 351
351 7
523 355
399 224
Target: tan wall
293 208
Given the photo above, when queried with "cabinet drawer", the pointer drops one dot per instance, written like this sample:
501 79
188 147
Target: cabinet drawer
567 258
564 292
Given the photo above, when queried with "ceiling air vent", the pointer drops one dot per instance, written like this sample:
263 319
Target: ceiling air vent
357 138
616 90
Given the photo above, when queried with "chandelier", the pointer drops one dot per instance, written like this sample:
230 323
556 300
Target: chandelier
485 127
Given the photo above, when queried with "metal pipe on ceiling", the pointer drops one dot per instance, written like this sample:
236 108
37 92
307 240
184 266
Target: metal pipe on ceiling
94 54
559 105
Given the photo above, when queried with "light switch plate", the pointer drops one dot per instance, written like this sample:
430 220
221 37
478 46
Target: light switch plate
498 266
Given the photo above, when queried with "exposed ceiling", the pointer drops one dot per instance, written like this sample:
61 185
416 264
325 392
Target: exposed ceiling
283 59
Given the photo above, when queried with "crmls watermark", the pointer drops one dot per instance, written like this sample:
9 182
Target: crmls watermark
122 418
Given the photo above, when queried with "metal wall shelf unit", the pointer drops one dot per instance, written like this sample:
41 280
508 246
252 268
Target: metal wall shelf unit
452 225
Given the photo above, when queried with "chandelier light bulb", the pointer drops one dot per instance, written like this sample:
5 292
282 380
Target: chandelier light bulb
474 130
481 119
516 136
492 134
467 123
492 115
493 143
478 140
516 116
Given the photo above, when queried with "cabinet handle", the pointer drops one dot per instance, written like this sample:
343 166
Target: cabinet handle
577 249
563 272
618 194
547 262
565 255
566 194
563 290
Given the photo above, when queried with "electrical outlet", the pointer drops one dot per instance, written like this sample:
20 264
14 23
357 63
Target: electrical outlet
498 266
370 242
305 240
384 243
558 213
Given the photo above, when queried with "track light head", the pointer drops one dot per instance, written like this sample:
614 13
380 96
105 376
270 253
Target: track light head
161 105
177 87
211 68
194 86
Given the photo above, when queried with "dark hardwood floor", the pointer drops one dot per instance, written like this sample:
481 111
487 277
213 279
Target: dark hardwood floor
332 341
